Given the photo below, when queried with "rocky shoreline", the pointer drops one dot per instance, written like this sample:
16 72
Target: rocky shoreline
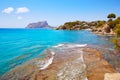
65 62
97 27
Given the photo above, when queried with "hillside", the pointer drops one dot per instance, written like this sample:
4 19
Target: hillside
77 25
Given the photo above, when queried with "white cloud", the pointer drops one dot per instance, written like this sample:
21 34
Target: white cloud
8 10
19 17
22 10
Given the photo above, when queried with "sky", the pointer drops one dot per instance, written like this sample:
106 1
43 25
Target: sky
19 13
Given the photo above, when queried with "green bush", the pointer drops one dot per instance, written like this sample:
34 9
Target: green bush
100 24
117 30
116 42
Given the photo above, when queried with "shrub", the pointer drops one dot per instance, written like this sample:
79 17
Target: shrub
100 24
117 30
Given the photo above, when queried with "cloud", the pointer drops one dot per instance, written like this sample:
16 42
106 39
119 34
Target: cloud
8 10
19 17
22 10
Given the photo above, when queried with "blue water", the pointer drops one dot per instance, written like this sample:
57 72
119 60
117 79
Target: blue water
20 45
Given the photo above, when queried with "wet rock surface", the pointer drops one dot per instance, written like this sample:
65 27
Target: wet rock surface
65 62
67 65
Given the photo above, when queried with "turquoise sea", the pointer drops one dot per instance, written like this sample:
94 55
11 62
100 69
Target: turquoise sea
20 45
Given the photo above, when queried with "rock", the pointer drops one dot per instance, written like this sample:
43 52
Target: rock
41 24
96 65
99 30
117 51
112 76
111 31
106 28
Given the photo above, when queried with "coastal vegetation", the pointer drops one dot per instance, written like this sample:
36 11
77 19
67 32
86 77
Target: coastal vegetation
110 27
115 26
77 25
100 24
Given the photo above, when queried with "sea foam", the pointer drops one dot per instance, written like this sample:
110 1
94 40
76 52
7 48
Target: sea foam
70 45
59 45
79 45
76 45
44 64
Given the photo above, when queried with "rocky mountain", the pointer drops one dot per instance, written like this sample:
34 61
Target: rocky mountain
40 24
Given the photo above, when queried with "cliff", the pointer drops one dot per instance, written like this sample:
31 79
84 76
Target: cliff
104 29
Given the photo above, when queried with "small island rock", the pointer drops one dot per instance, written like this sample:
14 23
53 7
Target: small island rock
40 24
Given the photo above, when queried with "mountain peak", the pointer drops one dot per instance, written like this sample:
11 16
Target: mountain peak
40 24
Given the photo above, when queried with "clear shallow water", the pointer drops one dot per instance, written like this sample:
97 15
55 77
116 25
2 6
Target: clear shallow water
20 45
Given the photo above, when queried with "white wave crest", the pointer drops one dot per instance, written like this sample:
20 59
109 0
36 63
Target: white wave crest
76 45
70 45
53 53
44 64
80 45
59 45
